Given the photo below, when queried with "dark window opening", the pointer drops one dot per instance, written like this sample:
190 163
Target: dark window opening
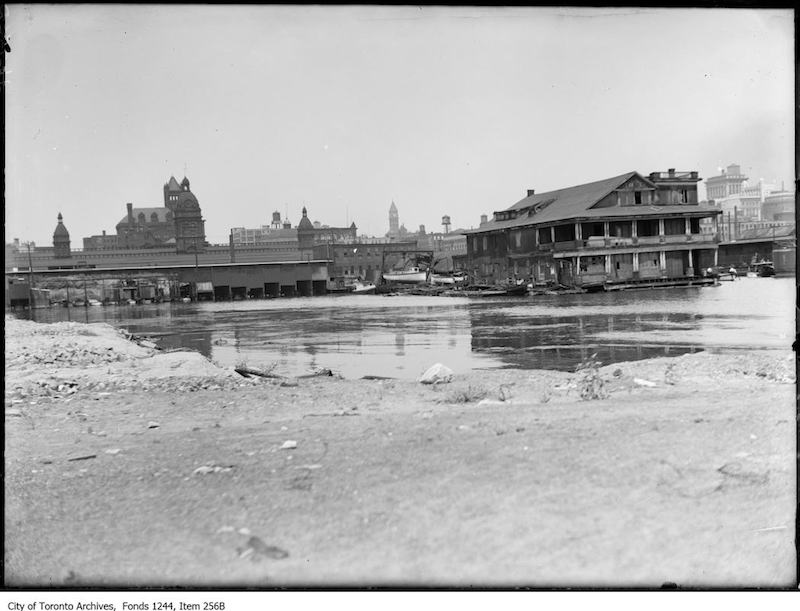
637 197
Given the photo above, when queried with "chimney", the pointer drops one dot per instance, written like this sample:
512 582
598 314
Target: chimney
484 219
104 233
130 213
531 192
671 172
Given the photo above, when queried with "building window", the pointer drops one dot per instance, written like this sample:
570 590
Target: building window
637 197
684 196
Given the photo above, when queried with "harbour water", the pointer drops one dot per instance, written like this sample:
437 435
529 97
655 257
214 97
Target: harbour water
400 336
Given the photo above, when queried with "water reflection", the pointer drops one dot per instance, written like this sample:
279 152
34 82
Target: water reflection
401 336
561 342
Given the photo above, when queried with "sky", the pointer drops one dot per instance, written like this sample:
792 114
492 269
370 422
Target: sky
444 110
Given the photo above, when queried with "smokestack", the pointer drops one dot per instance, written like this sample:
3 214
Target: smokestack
531 192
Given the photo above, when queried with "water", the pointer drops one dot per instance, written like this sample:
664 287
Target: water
400 336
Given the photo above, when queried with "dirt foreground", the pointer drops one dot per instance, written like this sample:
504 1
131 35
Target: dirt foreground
130 467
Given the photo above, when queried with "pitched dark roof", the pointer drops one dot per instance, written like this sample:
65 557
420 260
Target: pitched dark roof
576 203
160 211
173 185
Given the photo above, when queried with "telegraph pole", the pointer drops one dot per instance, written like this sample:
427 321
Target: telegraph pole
196 269
30 278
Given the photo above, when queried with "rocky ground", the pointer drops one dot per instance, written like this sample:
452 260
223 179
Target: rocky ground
129 466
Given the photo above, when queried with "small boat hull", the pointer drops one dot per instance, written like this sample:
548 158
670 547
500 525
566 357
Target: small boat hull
411 277
364 289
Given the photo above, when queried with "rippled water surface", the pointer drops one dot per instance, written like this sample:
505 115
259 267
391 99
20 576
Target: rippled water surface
400 336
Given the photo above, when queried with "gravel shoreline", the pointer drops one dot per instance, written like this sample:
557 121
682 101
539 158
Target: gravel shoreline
134 466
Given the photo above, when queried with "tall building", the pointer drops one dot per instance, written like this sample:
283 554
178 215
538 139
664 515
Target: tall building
190 235
729 182
308 235
394 222
779 206
177 223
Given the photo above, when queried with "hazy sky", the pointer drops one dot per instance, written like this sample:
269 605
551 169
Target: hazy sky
444 110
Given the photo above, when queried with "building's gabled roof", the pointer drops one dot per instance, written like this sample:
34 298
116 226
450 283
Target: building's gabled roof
577 202
173 185
160 211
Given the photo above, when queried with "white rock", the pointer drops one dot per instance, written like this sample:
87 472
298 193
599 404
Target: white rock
289 445
642 382
437 374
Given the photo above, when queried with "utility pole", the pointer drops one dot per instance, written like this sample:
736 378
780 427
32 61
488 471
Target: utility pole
30 278
196 269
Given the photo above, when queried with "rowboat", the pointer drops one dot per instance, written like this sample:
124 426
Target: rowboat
514 290
448 279
411 275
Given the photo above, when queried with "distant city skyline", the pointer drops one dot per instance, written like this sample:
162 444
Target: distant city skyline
444 110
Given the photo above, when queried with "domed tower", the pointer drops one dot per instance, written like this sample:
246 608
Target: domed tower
190 234
61 248
305 232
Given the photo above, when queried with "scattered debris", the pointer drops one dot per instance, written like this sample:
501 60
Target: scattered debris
768 529
83 457
437 374
256 548
212 468
735 470
249 372
318 373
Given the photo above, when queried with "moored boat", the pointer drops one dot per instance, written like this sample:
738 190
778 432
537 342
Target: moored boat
449 279
411 275
512 290
363 288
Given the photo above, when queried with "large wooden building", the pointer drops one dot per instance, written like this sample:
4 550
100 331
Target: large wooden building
620 229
